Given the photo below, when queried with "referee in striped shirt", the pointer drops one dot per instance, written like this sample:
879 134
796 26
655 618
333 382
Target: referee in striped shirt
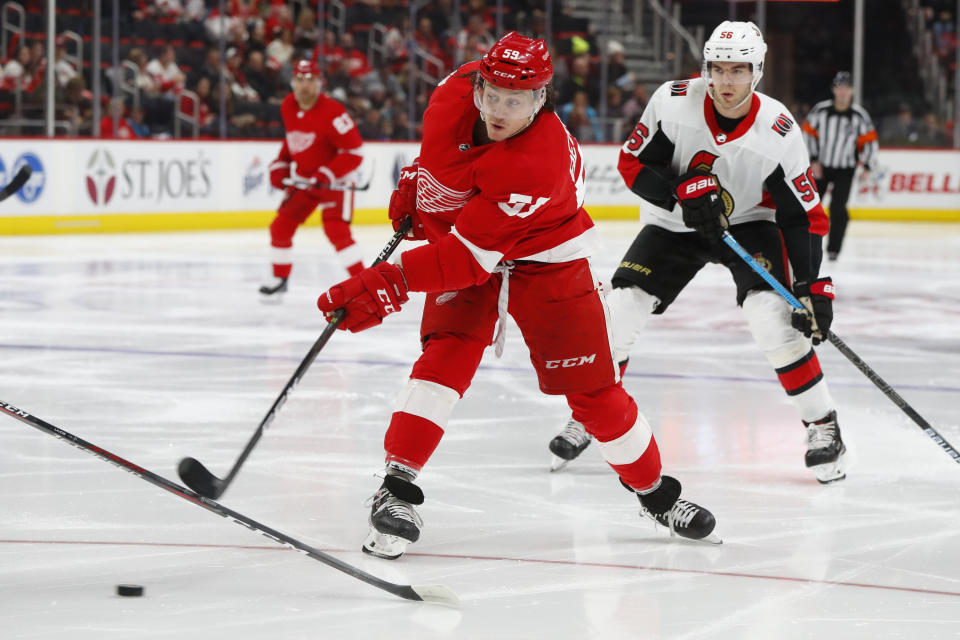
840 137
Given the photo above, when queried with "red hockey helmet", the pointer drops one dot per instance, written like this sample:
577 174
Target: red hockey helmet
306 69
517 62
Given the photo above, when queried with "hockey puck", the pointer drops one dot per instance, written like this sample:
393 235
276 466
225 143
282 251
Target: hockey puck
130 590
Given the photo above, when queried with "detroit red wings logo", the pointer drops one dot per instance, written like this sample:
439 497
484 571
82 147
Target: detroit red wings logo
298 141
704 161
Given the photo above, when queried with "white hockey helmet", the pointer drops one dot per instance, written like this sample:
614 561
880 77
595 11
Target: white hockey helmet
735 42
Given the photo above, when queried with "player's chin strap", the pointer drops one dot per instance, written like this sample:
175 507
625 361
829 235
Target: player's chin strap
503 299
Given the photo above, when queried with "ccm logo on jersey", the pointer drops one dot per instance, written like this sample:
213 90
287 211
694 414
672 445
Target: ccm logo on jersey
571 362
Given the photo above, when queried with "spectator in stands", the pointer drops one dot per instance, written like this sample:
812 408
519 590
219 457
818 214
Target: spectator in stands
901 130
280 52
199 109
210 68
474 40
614 123
616 67
63 69
134 120
332 53
258 38
306 33
473 49
371 126
141 78
76 105
117 111
395 41
580 79
278 19
945 36
164 72
633 107
932 133
17 72
260 78
428 41
581 119
355 61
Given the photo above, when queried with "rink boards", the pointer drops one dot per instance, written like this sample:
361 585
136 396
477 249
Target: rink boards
115 185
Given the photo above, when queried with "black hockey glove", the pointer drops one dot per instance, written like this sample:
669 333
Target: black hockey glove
699 198
814 320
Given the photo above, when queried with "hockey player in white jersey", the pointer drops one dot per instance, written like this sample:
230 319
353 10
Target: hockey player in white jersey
711 154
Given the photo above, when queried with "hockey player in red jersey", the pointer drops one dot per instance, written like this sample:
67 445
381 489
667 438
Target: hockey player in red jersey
713 153
499 193
315 168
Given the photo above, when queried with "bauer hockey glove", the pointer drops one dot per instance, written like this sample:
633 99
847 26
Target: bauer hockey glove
403 203
699 198
367 298
814 320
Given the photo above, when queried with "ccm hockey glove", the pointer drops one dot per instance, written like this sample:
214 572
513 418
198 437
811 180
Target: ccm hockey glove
814 320
367 298
699 198
403 203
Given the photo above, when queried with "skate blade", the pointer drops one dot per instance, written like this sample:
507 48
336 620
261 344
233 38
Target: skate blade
558 463
384 545
831 471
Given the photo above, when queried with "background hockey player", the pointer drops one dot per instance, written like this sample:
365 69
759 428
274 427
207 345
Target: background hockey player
497 165
319 157
709 154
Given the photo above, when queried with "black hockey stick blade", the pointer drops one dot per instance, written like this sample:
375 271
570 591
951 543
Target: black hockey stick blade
17 183
426 593
198 477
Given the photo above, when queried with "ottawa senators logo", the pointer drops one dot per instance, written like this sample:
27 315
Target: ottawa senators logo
679 88
782 124
704 160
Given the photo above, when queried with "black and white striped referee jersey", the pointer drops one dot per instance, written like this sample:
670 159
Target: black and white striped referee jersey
840 139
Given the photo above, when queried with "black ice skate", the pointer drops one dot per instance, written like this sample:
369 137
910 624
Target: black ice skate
394 523
273 292
825 449
568 444
683 518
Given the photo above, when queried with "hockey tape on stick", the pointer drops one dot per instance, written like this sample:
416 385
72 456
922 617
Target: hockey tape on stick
428 593
857 361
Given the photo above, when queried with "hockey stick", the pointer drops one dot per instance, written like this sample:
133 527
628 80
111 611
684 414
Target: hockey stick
308 184
427 593
17 183
857 361
196 476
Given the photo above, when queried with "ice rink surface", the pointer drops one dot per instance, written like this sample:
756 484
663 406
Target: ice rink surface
155 347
